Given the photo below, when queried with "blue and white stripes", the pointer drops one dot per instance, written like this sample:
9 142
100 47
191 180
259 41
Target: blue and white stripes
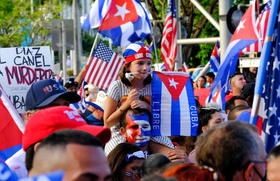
172 117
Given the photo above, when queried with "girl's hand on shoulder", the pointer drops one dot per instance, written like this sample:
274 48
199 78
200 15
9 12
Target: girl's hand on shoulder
132 96
140 104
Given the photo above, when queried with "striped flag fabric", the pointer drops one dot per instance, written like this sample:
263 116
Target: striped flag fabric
261 24
8 175
11 127
244 35
215 58
173 106
185 68
125 22
267 91
103 67
81 105
169 37
96 14
218 98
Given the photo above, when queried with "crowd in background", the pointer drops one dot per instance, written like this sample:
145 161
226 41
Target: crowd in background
110 139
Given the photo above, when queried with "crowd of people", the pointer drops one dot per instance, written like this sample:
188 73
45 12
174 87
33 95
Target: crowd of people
111 138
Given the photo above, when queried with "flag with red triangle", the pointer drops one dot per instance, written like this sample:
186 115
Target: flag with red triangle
173 106
244 35
125 22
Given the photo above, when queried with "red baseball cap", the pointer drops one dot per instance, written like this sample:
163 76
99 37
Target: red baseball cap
47 121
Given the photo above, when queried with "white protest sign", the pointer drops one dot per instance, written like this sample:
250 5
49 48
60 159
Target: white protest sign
22 66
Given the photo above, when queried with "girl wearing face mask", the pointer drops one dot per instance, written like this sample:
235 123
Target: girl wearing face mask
132 90
125 162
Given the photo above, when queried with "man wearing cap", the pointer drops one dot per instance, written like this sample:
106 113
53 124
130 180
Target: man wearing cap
47 121
48 93
41 94
79 154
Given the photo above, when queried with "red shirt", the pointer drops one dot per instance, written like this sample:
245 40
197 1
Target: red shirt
230 95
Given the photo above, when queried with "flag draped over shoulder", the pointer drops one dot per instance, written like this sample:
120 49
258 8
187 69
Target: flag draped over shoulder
244 35
215 58
11 127
267 91
125 22
103 67
173 106
169 37
96 14
261 24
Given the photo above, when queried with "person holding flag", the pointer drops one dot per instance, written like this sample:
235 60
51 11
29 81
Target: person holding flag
133 89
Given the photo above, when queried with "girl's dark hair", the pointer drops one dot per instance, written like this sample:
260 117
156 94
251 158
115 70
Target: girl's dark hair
204 116
126 82
117 158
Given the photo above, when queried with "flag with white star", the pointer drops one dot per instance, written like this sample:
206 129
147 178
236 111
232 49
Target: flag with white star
244 35
270 96
125 22
173 106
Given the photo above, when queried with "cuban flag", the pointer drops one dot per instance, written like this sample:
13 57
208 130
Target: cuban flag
244 35
11 127
219 98
215 58
125 22
96 14
173 106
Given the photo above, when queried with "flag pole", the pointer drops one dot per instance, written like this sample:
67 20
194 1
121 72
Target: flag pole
93 46
152 33
265 56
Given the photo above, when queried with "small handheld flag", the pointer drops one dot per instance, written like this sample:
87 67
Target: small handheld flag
103 67
173 106
215 58
169 37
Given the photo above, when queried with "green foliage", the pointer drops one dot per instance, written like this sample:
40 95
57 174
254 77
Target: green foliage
87 42
19 25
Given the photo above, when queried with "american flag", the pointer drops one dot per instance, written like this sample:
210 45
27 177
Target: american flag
103 67
271 94
169 37
185 68
261 24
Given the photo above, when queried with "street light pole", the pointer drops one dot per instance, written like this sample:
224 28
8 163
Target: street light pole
224 6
